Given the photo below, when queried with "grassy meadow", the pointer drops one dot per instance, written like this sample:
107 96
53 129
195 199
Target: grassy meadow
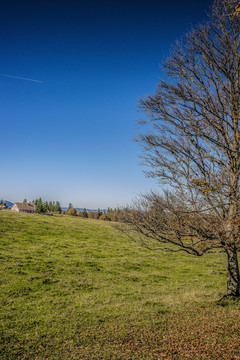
73 288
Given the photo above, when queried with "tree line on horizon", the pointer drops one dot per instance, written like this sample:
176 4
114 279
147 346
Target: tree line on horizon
43 207
109 214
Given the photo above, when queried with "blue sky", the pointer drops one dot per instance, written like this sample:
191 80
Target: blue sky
69 138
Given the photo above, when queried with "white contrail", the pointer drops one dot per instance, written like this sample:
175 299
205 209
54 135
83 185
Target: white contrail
21 78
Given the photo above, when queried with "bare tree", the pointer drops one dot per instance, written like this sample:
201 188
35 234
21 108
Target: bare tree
191 142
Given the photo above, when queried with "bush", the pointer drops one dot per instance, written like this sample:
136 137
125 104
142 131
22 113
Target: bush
105 217
91 214
71 211
96 215
84 213
116 215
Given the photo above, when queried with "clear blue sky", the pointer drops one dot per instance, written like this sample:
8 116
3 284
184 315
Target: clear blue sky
69 138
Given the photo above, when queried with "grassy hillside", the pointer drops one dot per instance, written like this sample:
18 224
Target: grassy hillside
73 288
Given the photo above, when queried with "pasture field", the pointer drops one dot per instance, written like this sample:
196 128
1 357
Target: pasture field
73 288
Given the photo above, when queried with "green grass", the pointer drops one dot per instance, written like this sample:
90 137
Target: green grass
73 288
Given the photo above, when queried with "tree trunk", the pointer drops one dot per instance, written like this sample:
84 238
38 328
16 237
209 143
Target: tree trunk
233 279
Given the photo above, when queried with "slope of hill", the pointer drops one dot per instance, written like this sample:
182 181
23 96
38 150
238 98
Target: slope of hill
74 288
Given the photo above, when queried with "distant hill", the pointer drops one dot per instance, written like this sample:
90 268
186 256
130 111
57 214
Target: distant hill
81 209
8 203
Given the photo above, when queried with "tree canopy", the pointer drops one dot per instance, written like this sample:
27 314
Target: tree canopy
190 142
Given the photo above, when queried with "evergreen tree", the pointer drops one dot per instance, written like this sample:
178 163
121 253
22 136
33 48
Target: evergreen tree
45 207
84 213
58 207
39 206
99 212
50 206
